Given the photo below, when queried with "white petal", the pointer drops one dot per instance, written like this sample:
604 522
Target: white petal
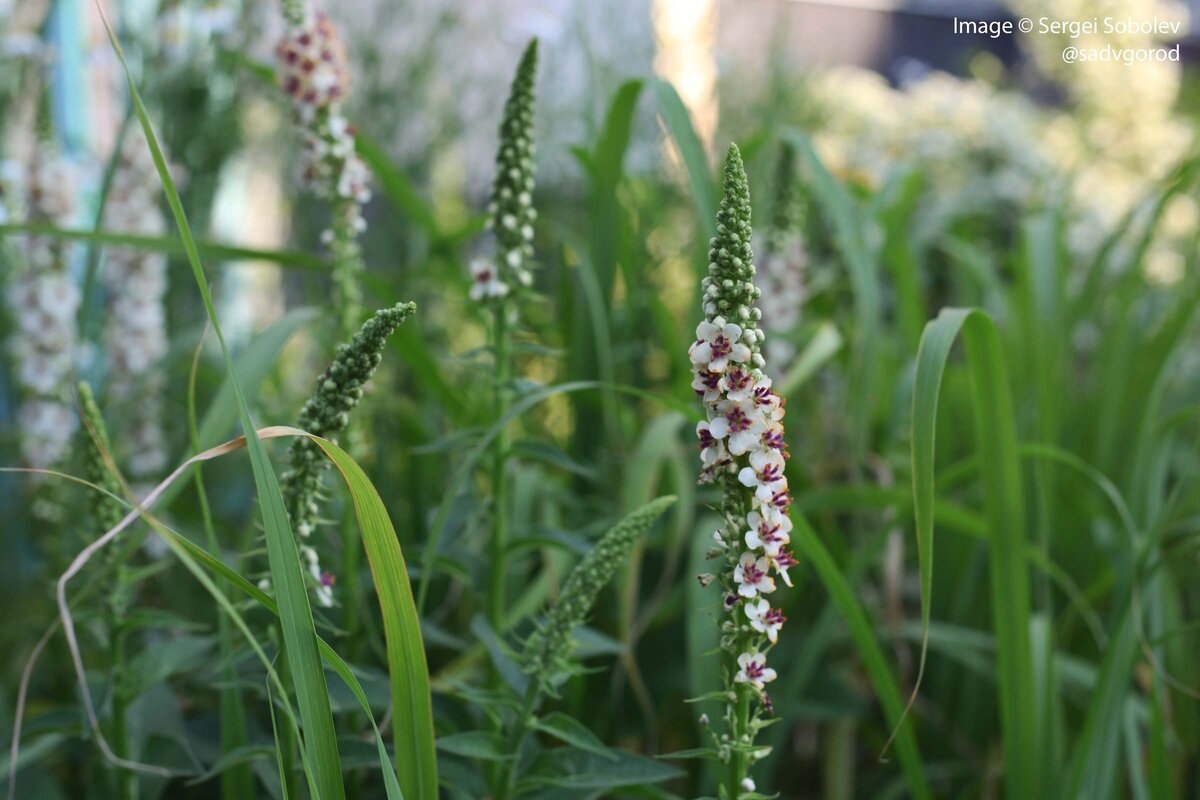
748 478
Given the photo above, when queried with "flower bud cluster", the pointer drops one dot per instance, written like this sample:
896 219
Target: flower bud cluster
44 301
548 647
742 447
339 389
510 211
136 283
103 511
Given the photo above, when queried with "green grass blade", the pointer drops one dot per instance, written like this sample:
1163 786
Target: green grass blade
825 343
299 631
170 245
863 633
412 707
396 186
995 430
691 151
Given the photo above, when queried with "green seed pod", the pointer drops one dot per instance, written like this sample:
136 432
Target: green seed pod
511 212
338 391
547 649
103 511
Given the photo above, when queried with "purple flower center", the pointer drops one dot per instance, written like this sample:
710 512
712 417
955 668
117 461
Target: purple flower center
710 381
768 533
770 473
774 440
754 669
752 574
706 439
737 380
774 617
328 579
721 347
785 560
738 421
781 500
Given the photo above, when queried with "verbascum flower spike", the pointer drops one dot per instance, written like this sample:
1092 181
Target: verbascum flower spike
44 301
315 74
548 648
339 389
782 277
510 211
136 329
742 452
104 513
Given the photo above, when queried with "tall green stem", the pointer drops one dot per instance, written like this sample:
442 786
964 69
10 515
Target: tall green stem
739 726
127 781
499 539
516 738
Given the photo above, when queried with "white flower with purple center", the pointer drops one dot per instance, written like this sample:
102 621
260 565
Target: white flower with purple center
707 385
487 283
768 402
751 576
765 619
769 531
717 345
782 563
738 383
753 669
740 422
773 439
711 448
765 474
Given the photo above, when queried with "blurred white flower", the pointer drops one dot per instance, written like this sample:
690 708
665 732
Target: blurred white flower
135 338
43 301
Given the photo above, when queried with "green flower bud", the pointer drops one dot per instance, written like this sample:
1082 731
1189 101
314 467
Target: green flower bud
104 511
511 212
548 648
338 391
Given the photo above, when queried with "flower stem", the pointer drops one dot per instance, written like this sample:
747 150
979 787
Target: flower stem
516 737
498 543
738 727
127 780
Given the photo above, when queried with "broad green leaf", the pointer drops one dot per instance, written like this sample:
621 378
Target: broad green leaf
570 730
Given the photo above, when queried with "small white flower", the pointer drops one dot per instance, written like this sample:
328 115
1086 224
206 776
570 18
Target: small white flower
487 280
782 562
751 575
711 448
716 346
707 385
765 474
738 383
753 670
769 529
748 785
765 619
741 423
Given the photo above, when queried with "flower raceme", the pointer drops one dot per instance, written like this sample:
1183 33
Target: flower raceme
510 209
742 452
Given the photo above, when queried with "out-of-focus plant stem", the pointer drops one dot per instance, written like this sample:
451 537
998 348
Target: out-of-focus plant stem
498 542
